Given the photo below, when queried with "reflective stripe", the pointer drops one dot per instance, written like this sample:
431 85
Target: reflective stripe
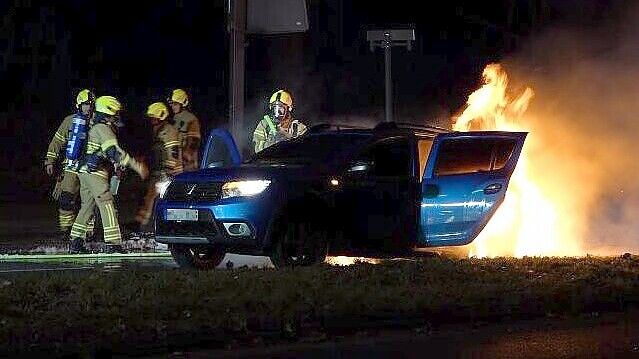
60 137
111 213
52 155
112 233
100 174
108 143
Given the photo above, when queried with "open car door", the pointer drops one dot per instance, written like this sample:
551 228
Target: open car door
464 182
220 150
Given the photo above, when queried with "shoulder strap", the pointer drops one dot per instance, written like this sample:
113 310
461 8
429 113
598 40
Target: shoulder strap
269 124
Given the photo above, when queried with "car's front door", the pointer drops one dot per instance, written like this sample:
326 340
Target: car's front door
379 196
464 182
220 150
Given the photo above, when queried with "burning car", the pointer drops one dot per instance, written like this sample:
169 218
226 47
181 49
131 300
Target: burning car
384 191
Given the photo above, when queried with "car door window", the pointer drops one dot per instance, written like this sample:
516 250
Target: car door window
390 158
463 156
220 150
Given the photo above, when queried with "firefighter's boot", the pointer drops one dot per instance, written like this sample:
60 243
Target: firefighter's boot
77 246
114 248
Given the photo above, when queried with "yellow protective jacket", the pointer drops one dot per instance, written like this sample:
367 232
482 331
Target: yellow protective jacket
103 147
167 150
59 141
188 127
267 133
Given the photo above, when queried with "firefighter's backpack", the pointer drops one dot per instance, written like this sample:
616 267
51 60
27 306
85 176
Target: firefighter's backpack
78 133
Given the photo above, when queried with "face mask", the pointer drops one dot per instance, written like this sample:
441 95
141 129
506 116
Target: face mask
279 111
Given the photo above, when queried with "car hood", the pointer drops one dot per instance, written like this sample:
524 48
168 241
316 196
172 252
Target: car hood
252 171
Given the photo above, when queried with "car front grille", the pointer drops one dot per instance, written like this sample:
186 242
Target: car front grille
204 227
194 191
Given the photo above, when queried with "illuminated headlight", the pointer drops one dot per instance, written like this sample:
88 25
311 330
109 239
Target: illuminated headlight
244 188
162 186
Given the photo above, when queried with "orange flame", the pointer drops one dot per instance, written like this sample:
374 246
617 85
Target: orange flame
531 221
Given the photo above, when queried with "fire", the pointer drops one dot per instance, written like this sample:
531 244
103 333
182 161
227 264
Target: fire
532 220
347 261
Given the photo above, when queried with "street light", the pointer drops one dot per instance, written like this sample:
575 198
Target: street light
386 39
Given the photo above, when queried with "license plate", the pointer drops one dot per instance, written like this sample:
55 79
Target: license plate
181 214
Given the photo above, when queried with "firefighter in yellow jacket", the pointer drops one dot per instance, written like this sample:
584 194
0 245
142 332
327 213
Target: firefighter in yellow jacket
278 124
188 127
102 154
166 157
68 187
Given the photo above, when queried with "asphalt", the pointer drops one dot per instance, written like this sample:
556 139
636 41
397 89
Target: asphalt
18 264
607 336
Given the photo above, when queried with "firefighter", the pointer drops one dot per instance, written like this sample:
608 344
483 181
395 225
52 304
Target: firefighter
278 124
102 153
166 157
67 188
188 127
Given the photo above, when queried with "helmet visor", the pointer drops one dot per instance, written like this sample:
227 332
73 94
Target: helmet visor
279 111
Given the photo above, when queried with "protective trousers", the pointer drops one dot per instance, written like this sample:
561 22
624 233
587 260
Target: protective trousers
94 190
69 189
145 213
190 159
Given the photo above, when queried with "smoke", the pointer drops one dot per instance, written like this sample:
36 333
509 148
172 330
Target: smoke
584 130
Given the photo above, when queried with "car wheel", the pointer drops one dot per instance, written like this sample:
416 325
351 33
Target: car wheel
197 257
299 244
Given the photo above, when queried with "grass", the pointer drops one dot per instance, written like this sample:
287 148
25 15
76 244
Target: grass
156 310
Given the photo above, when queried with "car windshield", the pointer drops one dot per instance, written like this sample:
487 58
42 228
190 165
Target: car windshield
311 148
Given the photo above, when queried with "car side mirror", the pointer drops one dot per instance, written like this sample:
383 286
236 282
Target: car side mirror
360 167
215 164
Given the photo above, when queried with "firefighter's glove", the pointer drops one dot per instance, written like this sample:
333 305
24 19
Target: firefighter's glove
48 168
140 168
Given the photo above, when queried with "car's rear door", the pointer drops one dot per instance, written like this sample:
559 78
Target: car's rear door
465 180
220 150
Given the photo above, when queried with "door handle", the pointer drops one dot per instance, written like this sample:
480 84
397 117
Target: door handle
492 188
366 183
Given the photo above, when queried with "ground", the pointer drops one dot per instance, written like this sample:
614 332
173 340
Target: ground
504 307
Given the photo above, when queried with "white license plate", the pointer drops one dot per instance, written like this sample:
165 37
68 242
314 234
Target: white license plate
181 214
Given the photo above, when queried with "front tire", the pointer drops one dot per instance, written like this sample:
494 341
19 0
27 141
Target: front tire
299 243
197 257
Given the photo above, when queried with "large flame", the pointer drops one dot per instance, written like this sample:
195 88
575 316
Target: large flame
531 221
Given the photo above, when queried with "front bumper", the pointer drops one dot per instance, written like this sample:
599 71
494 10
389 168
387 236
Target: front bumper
253 212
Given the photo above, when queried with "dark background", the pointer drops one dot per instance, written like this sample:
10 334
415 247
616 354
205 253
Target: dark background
139 50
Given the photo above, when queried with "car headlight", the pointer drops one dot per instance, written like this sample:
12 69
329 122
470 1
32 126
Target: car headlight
244 188
162 186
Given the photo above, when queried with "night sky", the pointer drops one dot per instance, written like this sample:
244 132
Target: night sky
139 50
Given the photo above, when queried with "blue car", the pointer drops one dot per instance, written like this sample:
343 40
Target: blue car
392 190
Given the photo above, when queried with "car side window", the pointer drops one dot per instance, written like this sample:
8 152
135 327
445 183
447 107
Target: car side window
390 158
464 156
218 154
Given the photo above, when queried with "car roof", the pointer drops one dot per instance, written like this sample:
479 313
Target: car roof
382 130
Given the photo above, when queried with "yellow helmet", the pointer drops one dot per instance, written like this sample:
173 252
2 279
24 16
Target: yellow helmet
179 96
108 105
283 97
84 96
158 110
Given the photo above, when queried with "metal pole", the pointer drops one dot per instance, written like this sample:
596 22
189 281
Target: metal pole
388 44
237 29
